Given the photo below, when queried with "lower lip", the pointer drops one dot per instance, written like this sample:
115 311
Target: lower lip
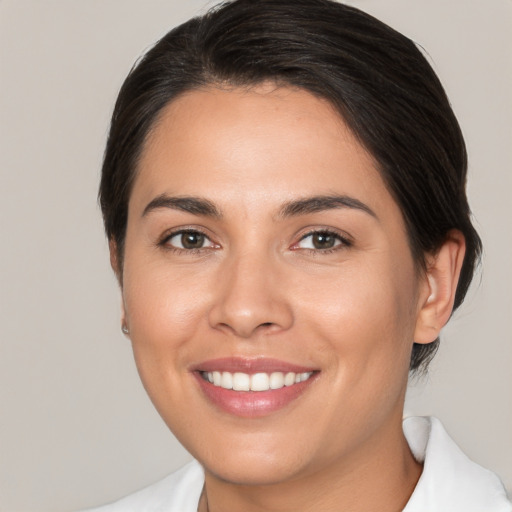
252 404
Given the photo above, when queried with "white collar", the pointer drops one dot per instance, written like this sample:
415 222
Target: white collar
450 481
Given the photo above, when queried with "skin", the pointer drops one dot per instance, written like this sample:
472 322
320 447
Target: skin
258 287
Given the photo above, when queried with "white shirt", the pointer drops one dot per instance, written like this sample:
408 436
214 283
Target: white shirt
450 481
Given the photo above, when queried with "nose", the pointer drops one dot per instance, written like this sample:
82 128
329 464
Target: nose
251 298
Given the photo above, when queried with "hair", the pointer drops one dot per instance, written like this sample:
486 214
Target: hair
377 79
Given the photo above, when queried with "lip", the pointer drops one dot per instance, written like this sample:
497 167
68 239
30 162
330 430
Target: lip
251 404
250 365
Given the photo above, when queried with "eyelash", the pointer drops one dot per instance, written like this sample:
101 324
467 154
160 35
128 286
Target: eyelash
344 242
164 241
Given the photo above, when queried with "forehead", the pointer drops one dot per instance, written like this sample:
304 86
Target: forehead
265 144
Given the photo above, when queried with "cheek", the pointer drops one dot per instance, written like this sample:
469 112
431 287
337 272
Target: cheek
159 296
164 315
365 315
164 310
366 326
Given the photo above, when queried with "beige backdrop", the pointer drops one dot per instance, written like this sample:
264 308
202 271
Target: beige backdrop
76 427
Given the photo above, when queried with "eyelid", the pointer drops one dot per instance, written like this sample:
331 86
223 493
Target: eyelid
344 239
167 235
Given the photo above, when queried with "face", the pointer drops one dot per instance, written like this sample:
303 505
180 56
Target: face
264 252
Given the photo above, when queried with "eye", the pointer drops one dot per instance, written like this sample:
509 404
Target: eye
188 240
321 240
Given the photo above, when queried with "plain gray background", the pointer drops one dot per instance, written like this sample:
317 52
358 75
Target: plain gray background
76 428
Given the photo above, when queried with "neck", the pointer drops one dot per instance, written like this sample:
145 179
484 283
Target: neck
380 476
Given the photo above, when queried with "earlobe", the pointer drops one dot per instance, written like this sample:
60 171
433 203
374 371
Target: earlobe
124 322
440 285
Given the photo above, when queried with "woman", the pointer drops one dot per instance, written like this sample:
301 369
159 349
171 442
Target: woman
283 192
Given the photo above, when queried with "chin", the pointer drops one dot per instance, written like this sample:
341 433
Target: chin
253 458
252 469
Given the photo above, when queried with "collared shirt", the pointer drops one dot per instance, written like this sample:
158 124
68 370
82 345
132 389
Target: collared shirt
450 481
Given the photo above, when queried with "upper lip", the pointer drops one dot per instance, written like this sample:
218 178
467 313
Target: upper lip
250 365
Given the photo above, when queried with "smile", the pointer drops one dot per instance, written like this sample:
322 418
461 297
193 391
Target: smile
240 381
253 388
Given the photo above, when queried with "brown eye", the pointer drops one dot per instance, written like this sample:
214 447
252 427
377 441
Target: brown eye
189 240
321 240
192 240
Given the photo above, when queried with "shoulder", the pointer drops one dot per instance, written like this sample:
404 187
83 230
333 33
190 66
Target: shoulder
450 480
178 492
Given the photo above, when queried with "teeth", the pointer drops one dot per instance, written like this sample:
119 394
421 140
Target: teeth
276 380
226 380
289 379
300 377
241 382
256 382
260 382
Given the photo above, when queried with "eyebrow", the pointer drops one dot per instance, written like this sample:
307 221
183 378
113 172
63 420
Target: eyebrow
193 205
304 206
320 203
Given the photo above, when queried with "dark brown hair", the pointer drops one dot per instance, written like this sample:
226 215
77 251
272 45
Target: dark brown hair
377 79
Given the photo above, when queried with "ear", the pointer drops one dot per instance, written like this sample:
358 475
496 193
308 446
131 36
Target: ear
116 267
114 259
440 285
